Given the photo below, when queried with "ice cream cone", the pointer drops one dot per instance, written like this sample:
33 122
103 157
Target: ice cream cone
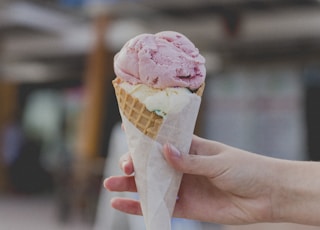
146 132
155 73
147 122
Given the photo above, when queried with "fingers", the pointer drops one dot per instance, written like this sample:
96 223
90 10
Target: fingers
191 164
127 205
120 184
126 164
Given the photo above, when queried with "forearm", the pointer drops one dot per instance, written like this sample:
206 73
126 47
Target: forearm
298 199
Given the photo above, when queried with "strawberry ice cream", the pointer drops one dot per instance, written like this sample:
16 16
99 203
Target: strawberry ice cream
165 59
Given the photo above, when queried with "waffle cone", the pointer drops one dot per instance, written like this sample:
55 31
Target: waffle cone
149 123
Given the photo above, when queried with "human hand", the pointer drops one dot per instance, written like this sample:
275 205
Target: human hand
220 184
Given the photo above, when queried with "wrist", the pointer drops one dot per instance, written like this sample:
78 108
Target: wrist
281 194
297 192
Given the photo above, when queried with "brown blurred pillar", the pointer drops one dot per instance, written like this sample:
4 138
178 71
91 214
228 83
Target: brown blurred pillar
8 101
88 164
94 85
8 108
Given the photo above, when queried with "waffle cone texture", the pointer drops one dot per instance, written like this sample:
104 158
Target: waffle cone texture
149 123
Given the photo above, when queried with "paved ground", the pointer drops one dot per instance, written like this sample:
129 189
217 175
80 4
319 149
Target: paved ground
38 213
33 213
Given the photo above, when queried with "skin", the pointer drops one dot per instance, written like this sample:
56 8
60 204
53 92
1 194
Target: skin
226 185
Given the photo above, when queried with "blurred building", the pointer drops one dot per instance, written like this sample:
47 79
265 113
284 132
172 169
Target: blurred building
57 106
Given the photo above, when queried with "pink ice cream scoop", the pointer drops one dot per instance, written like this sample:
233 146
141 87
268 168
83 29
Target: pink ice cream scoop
165 59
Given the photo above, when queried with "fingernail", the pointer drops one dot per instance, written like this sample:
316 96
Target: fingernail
173 150
105 183
123 165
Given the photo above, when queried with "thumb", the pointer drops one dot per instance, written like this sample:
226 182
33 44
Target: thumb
190 164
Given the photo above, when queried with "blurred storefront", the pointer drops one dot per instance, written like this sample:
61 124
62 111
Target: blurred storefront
58 111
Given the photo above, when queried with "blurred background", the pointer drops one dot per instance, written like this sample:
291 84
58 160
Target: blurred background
59 121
